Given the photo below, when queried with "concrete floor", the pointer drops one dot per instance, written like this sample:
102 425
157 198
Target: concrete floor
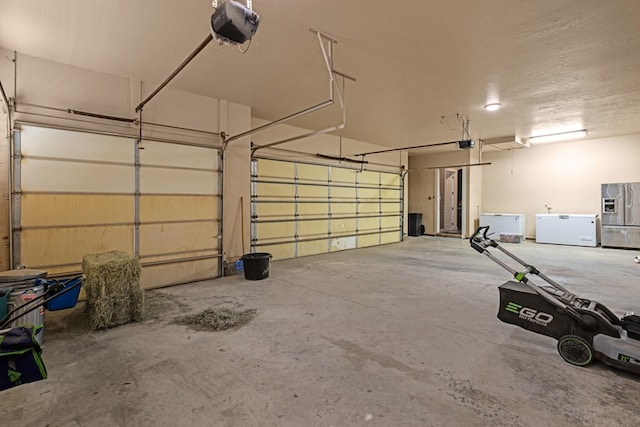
399 335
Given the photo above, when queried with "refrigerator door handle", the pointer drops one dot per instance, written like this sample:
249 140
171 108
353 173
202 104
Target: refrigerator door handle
632 204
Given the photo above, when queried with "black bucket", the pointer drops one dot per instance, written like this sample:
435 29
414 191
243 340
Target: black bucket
256 265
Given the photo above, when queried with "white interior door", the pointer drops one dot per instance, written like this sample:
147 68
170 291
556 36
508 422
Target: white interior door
449 201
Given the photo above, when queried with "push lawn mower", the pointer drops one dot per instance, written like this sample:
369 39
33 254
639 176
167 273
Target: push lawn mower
586 330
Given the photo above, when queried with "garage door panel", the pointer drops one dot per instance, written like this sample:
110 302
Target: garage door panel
177 237
55 246
280 190
267 210
391 237
368 224
390 221
275 230
390 180
313 248
312 172
40 175
343 193
368 240
313 209
368 208
313 228
155 208
66 270
343 208
387 208
369 178
343 176
369 193
390 194
177 181
280 251
39 210
176 156
343 243
154 276
274 168
169 258
343 226
63 144
313 191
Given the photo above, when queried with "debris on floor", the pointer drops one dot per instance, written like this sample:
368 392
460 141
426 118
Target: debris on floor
217 318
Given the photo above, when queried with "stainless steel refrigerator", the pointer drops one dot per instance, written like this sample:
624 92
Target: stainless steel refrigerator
621 215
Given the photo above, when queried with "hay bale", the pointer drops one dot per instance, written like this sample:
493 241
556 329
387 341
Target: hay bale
113 290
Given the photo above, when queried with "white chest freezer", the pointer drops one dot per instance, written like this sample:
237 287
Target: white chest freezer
567 229
504 223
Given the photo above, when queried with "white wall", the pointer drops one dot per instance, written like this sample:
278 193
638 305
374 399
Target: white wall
565 176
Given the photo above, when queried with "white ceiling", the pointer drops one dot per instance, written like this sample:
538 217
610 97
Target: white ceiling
554 65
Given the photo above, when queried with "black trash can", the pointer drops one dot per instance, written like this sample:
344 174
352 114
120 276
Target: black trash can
256 265
415 224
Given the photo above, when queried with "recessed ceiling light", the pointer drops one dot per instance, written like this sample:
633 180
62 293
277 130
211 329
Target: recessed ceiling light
557 136
493 106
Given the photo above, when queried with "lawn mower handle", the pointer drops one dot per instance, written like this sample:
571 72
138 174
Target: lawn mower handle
479 239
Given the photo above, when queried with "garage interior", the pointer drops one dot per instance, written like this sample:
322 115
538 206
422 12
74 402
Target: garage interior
354 143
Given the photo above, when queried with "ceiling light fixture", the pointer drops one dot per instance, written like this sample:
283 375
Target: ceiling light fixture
557 136
493 106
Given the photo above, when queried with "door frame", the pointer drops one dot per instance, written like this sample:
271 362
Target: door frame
464 197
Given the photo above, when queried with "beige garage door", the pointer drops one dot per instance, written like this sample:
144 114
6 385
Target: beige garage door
303 209
75 193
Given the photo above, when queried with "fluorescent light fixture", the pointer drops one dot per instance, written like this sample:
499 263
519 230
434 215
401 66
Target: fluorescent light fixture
493 106
557 136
